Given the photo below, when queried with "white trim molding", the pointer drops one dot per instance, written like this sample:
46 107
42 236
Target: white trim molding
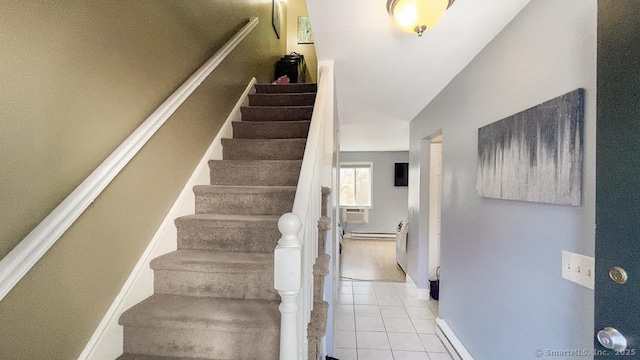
451 342
15 265
106 341
422 294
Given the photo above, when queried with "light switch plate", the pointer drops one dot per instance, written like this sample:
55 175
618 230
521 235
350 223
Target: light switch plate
578 268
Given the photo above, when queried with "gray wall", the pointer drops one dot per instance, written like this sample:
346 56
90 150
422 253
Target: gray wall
501 288
389 202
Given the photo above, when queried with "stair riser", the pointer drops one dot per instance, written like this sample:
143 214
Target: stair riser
290 88
256 285
270 129
233 149
200 343
202 236
265 174
282 99
259 113
272 203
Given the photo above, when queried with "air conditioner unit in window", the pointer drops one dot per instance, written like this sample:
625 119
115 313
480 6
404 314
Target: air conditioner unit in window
356 216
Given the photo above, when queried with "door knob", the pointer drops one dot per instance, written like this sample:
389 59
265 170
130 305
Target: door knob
612 339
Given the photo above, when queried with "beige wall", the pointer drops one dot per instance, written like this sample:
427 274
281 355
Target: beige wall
297 8
76 78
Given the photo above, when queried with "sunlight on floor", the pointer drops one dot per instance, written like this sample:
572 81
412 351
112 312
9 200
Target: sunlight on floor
364 259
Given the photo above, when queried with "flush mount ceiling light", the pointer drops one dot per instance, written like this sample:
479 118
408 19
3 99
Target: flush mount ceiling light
417 15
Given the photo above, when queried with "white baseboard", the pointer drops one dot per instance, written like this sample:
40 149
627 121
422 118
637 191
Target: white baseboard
106 341
451 342
422 294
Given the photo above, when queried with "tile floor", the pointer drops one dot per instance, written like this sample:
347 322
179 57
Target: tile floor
385 321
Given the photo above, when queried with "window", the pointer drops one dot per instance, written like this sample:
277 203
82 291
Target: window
356 185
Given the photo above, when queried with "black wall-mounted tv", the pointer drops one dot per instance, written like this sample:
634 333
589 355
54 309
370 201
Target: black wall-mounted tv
401 174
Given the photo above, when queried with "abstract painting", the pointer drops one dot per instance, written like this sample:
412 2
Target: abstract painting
535 155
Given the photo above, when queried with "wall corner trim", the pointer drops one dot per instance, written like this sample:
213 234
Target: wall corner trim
422 294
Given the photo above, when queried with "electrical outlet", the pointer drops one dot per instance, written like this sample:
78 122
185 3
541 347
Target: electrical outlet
579 269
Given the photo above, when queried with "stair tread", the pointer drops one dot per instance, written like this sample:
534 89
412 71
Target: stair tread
154 357
284 94
243 188
235 315
244 219
256 162
264 140
281 107
285 142
214 261
289 84
276 113
272 122
282 99
286 88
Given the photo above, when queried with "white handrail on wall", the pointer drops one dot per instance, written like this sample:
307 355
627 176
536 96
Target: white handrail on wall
298 248
25 255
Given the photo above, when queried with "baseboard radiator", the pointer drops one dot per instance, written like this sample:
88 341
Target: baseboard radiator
451 343
375 235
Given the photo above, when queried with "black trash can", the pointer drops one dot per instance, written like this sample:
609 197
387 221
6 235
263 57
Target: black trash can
434 286
434 289
291 65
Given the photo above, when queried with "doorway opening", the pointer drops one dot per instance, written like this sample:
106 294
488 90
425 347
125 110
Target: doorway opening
430 215
368 244
435 214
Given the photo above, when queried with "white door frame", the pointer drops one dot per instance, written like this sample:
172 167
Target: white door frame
425 248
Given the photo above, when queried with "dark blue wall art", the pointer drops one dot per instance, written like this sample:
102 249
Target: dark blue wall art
535 155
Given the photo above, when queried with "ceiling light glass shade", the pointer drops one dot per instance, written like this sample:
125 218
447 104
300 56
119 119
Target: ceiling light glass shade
417 15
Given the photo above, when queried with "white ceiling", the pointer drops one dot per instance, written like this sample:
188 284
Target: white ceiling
385 77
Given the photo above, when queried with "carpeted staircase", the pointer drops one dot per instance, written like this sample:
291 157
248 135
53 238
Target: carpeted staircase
214 296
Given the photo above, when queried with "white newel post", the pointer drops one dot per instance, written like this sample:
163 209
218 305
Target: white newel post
287 280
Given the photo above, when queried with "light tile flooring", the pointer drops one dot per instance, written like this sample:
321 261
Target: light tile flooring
385 321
